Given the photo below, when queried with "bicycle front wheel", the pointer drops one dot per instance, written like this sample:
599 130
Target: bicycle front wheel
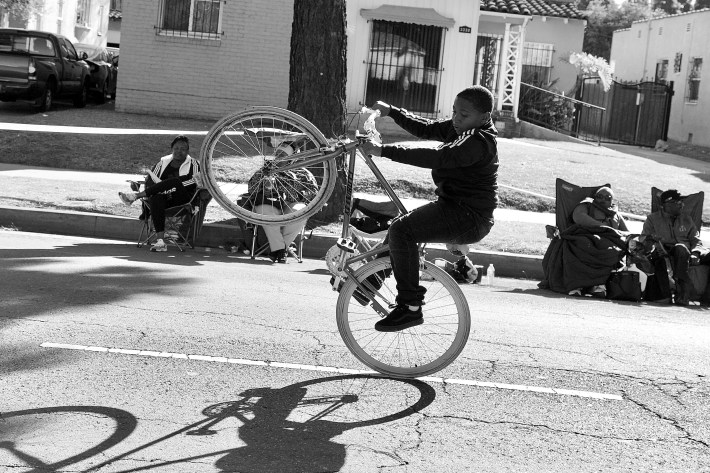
240 160
414 352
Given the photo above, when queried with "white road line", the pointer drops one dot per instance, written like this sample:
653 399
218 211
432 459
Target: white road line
297 366
93 131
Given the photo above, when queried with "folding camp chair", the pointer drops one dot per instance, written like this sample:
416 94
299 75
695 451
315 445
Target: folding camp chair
567 197
693 206
255 239
182 222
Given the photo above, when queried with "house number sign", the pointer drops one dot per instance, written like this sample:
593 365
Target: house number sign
464 29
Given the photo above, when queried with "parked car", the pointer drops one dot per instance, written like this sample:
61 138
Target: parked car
39 66
103 77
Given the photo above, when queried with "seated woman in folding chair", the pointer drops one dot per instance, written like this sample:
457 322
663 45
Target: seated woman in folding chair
172 182
593 212
280 194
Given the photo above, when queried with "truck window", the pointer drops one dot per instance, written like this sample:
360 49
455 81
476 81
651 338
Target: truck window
41 47
10 43
70 51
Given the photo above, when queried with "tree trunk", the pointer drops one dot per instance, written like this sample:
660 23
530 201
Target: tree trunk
318 71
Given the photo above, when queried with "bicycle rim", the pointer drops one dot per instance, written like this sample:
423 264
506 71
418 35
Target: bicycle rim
413 352
256 142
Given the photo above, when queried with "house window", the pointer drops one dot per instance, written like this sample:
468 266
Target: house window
537 63
190 18
487 64
404 65
116 5
694 75
662 71
83 12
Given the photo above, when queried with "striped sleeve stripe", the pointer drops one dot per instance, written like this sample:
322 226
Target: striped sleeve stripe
457 142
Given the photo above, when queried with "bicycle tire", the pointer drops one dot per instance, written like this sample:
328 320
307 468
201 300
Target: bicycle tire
254 140
414 352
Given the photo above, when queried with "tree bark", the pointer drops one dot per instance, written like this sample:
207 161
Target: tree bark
318 72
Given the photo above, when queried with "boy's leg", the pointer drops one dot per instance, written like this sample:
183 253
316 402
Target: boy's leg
438 222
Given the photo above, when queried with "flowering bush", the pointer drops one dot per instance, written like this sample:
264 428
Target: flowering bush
591 65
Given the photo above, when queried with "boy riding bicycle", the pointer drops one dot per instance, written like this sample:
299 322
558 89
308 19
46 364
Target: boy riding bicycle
465 172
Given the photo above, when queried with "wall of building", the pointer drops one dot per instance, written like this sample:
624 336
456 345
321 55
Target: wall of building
205 78
635 52
567 36
458 58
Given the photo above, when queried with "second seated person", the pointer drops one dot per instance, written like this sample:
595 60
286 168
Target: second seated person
279 194
598 211
465 171
172 182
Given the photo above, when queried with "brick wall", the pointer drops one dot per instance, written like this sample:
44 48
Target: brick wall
205 78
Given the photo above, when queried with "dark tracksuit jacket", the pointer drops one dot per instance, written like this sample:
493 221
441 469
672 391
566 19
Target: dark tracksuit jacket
464 168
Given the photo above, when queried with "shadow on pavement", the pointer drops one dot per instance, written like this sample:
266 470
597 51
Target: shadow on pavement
21 429
292 428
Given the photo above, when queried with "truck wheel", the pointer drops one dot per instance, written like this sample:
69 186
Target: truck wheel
80 99
44 101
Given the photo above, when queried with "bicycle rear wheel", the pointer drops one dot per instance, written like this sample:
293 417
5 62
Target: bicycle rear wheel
414 352
256 142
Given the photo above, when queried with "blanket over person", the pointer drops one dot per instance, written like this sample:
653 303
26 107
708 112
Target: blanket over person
582 257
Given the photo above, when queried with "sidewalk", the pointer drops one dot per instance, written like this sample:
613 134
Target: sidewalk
214 235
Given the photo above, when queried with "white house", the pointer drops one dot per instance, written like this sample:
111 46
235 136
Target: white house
216 57
671 49
82 21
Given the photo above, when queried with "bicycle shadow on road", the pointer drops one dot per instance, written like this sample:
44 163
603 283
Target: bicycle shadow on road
292 428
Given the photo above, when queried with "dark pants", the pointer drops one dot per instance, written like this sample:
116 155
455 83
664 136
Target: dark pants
163 195
679 256
442 221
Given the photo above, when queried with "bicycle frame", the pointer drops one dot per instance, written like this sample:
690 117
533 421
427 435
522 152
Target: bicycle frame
346 244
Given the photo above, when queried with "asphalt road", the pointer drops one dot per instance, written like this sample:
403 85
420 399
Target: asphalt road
220 363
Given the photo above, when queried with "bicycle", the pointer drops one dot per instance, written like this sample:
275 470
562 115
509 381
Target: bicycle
279 143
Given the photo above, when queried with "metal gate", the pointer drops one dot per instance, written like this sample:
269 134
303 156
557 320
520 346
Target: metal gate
404 67
636 113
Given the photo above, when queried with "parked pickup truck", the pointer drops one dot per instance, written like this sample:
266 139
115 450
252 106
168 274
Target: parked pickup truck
41 66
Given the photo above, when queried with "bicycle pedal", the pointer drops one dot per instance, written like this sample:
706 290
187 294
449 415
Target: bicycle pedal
346 244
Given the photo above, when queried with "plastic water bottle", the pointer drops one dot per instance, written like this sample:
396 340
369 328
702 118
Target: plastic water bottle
491 274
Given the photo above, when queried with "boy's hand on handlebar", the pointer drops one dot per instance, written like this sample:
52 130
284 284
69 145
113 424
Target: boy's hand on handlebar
382 107
370 148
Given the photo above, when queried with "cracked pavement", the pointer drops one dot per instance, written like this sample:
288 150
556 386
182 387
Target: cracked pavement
72 410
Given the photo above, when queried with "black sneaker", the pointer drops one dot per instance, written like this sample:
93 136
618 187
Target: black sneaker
464 272
399 319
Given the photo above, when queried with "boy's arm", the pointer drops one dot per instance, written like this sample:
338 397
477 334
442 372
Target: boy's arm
470 148
421 127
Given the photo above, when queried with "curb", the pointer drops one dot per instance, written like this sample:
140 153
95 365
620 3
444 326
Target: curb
86 224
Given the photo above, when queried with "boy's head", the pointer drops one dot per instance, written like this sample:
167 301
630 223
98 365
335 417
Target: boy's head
472 108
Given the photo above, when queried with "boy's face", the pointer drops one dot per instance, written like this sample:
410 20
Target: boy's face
465 117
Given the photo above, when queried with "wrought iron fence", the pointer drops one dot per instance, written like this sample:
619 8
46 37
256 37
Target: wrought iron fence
404 65
637 113
561 113
190 18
